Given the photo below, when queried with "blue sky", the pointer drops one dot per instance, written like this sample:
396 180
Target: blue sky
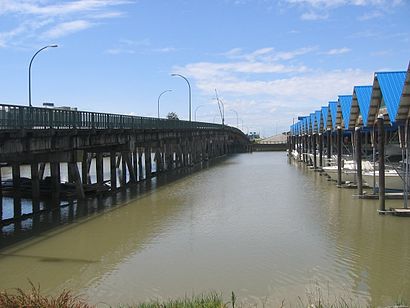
269 60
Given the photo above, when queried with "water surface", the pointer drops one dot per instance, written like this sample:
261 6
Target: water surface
253 224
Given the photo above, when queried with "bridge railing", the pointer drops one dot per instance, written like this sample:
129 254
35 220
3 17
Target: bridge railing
18 117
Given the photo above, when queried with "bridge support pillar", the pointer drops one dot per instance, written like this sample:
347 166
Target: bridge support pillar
140 167
55 179
132 177
35 181
148 163
113 170
74 173
123 170
99 169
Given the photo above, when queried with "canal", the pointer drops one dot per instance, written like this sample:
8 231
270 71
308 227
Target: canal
255 224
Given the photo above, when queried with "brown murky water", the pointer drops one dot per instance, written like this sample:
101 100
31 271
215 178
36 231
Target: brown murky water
253 224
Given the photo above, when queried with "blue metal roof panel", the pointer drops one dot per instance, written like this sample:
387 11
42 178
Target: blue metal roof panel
345 103
324 116
318 120
333 113
312 122
391 86
363 94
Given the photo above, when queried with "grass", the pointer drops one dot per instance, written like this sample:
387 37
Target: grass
211 300
34 299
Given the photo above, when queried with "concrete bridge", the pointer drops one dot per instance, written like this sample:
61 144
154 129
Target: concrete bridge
56 138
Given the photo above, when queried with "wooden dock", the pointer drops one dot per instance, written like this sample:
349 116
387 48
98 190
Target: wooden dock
396 212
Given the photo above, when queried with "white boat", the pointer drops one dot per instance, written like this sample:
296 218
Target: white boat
392 179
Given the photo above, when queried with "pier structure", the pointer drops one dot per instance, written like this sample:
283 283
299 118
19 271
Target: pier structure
365 138
137 148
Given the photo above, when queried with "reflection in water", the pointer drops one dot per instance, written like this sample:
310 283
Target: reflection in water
252 224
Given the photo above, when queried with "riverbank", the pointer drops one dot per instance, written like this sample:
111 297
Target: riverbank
66 299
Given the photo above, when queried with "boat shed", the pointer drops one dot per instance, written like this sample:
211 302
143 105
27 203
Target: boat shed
319 122
332 114
386 93
360 106
312 118
404 107
345 104
324 117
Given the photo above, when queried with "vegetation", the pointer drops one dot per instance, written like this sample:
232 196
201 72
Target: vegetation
212 300
172 116
33 299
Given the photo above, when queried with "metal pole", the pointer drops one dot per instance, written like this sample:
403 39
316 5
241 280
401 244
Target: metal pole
339 156
29 71
380 126
358 135
237 117
196 109
189 88
160 97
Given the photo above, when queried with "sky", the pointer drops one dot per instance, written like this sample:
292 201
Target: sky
270 61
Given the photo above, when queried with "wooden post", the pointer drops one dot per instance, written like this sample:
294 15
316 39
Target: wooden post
358 135
113 170
123 170
314 151
148 163
75 175
329 145
41 171
320 150
99 166
339 156
84 168
380 126
16 194
55 179
127 156
140 174
35 181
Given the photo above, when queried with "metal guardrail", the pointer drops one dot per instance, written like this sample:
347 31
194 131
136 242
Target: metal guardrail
19 117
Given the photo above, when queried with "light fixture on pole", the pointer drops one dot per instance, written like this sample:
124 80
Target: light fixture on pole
189 88
196 109
237 118
29 71
160 97
221 110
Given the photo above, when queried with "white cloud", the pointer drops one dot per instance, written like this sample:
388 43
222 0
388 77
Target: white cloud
66 28
50 19
256 88
314 16
319 9
337 51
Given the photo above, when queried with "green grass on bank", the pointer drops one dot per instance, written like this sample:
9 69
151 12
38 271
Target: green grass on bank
34 299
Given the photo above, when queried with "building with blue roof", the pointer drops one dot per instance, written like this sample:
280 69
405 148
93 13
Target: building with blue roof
345 104
386 94
324 117
360 106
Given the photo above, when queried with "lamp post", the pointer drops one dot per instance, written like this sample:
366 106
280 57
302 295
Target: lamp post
196 109
29 71
221 110
237 118
160 97
189 87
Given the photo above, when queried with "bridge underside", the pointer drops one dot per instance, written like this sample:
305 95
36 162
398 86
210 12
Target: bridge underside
134 154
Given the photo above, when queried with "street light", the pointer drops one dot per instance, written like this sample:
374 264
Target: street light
160 97
237 118
189 87
196 109
221 110
29 71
